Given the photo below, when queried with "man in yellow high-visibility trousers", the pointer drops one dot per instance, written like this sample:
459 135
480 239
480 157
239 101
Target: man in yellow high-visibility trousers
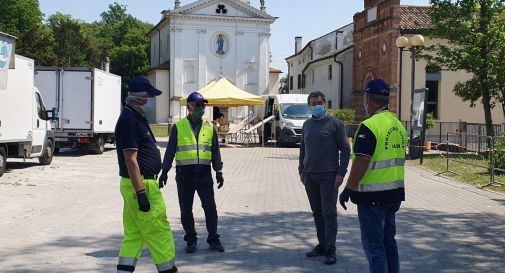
144 212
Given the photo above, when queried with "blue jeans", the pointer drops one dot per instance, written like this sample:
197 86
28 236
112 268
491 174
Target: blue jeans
378 229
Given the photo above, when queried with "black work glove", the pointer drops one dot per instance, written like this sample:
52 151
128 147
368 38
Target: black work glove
220 179
143 201
344 197
162 180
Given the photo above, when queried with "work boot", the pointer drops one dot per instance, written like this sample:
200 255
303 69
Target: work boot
191 245
331 257
316 251
216 245
171 270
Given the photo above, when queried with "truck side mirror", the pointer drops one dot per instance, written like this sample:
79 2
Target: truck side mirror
54 114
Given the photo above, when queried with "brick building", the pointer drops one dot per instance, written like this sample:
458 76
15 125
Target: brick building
376 56
375 53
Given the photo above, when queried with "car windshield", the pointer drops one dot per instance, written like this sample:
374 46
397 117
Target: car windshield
295 111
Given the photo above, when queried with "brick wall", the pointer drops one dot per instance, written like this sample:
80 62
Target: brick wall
375 51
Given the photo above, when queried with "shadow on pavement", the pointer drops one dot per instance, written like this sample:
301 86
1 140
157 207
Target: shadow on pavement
429 241
79 152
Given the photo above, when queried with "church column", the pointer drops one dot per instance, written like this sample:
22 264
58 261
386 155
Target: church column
263 63
176 71
202 57
239 60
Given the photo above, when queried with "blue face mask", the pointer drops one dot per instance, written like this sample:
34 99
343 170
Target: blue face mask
318 111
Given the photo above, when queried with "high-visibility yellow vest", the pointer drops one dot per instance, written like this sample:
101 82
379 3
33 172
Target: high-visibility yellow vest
386 170
189 151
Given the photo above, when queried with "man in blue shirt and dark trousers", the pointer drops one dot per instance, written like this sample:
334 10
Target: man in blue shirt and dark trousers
324 156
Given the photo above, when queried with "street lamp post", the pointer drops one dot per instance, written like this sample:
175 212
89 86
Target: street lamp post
411 44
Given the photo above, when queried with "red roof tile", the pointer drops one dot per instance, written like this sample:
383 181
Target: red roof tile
274 70
415 17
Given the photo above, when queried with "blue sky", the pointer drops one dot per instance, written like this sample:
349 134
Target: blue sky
309 19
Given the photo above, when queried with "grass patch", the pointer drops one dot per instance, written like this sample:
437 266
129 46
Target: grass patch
469 174
159 130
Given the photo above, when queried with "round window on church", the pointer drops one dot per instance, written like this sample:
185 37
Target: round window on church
220 44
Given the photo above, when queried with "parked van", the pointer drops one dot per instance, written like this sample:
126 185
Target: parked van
290 111
25 128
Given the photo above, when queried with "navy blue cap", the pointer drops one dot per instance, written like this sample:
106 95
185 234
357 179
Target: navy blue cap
196 98
141 84
377 87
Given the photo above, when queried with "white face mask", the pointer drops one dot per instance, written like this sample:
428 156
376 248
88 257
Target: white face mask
149 105
365 104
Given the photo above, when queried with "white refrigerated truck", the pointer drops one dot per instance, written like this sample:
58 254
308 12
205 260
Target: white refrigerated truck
88 103
25 130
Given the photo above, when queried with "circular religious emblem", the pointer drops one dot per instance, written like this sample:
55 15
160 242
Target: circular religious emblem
220 44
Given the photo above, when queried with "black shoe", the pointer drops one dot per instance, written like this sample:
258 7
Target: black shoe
191 245
316 252
330 258
216 245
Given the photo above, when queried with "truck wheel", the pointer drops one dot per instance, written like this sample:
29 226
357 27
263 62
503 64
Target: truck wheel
100 146
3 160
47 155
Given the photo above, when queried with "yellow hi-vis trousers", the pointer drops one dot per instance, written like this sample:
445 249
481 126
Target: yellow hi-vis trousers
150 227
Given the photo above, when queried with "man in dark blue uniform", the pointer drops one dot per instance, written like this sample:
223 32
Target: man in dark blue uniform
193 170
144 211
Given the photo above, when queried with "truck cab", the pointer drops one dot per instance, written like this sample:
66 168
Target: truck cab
25 128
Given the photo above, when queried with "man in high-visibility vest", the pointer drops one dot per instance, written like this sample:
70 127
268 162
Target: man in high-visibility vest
194 144
376 180
144 212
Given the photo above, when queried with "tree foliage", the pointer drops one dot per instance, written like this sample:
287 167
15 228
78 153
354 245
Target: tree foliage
65 41
284 88
475 32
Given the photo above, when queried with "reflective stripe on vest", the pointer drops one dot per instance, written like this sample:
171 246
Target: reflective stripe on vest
189 151
193 147
386 163
386 170
381 187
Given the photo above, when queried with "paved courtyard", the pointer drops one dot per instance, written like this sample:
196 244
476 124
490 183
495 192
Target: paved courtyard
66 218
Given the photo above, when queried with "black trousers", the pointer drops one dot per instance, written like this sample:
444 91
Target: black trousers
320 188
202 183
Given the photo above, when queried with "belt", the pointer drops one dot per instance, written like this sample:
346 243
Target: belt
149 177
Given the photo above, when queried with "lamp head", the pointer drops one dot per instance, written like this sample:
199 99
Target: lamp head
417 40
402 42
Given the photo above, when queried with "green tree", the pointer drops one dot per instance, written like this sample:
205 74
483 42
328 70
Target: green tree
284 88
123 38
70 45
475 32
23 19
344 115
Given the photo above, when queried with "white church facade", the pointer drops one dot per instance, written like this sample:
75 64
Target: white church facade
196 43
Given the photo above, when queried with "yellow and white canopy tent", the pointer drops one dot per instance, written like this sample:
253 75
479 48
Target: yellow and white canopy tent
221 92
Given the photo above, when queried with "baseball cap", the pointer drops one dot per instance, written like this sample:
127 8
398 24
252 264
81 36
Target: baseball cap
196 98
377 87
141 84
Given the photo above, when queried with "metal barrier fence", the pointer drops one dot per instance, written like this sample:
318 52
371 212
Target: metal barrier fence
474 150
438 133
